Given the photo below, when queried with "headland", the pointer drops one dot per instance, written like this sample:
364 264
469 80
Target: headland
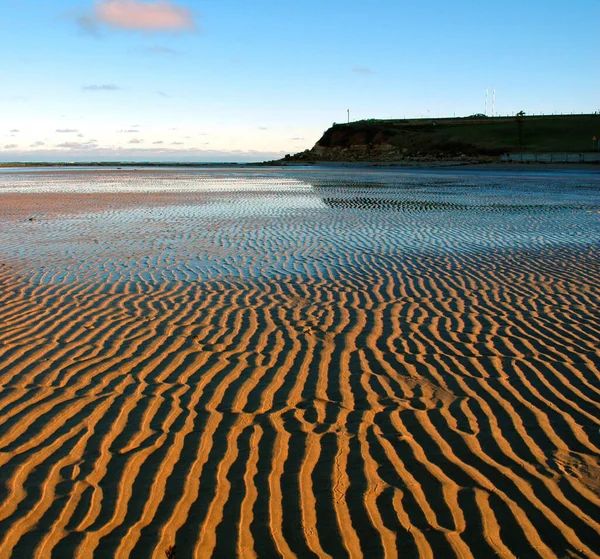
476 139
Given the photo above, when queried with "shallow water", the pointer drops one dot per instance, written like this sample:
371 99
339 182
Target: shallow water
300 223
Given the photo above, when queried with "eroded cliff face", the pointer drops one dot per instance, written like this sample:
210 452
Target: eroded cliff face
475 138
386 141
384 153
347 136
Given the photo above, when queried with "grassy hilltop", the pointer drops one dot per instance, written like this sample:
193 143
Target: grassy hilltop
444 138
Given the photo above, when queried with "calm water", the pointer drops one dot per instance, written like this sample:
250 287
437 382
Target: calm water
303 222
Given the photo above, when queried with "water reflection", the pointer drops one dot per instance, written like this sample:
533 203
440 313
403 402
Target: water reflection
276 224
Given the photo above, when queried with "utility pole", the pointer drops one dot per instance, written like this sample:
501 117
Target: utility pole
519 118
348 111
486 100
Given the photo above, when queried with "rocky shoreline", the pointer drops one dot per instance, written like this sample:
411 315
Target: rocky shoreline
383 154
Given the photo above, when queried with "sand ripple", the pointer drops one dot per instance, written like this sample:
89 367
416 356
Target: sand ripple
344 367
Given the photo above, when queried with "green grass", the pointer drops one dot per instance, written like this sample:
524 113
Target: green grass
491 136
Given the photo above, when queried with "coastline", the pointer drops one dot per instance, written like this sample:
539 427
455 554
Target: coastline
380 165
450 165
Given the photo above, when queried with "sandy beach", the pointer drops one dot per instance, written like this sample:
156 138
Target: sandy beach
297 364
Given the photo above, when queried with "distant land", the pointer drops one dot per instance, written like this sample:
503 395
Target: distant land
117 164
477 138
474 139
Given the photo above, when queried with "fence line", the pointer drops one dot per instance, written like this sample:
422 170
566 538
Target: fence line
555 157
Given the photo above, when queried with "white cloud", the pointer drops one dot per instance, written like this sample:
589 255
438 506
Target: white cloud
134 15
67 130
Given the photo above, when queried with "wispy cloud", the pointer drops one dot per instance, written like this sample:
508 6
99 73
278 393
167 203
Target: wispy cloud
129 131
11 146
14 99
363 70
163 94
298 139
101 87
37 144
77 145
135 15
15 131
84 152
262 128
176 143
160 50
136 141
88 25
158 143
67 130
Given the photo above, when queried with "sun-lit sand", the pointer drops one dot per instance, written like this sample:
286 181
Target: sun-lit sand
280 364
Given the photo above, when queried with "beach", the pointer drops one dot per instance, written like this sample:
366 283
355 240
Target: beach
299 363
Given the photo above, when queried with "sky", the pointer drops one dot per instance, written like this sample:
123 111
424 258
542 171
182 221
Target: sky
251 80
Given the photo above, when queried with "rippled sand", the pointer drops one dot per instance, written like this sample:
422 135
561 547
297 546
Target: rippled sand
302 364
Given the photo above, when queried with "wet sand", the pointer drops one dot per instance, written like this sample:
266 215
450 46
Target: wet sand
297 364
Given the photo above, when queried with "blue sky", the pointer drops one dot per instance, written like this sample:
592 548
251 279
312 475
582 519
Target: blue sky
229 80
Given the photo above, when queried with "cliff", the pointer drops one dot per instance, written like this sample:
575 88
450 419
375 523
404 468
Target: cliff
473 138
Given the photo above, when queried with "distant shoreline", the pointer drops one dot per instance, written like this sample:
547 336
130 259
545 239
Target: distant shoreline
424 165
117 164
